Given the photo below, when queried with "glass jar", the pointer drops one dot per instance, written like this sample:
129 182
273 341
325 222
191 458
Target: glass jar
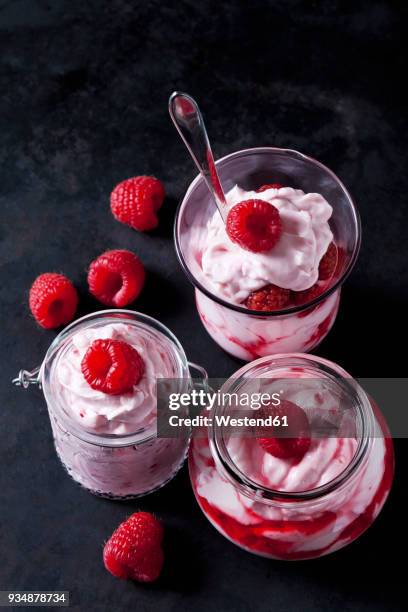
248 334
113 458
296 508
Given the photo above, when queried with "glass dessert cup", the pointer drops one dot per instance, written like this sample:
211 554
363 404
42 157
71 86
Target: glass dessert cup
292 521
118 466
249 334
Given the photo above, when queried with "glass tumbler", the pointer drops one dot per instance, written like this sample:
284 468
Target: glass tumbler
249 334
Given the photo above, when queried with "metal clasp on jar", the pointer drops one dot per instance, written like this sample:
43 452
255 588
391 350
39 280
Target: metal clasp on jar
26 378
201 381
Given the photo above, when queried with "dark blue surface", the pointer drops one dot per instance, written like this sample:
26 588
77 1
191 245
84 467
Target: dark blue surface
84 88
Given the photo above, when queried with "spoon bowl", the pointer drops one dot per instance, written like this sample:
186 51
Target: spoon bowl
189 123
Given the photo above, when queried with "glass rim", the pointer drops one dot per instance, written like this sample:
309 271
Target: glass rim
110 315
284 311
250 487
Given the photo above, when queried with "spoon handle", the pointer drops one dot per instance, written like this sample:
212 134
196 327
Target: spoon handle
189 122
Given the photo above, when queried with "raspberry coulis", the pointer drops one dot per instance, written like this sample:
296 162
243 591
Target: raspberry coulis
264 345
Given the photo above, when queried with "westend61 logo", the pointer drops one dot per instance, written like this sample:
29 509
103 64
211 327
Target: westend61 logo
179 412
269 407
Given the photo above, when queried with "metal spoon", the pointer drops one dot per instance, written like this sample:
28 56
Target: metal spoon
189 122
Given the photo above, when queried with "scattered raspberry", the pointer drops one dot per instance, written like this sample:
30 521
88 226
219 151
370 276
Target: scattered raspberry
134 549
136 201
53 300
255 225
270 297
328 262
303 297
112 366
270 186
116 277
298 425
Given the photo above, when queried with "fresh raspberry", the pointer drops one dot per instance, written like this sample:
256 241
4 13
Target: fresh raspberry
53 300
136 201
255 225
116 277
328 262
270 297
134 549
270 186
298 425
112 366
308 295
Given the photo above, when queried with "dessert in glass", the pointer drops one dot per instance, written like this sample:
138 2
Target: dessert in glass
280 300
105 424
303 496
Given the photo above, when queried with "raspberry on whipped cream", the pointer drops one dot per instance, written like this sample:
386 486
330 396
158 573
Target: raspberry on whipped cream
293 263
255 225
98 411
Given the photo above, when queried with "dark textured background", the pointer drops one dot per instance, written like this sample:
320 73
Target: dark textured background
84 88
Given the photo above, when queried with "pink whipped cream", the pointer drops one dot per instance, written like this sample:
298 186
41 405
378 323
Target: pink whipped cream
326 458
324 461
113 414
233 273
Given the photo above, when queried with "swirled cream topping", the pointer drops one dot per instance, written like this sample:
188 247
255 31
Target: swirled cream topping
113 414
323 462
292 264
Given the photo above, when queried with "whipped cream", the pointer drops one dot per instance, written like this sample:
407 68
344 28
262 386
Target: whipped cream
323 462
326 457
233 273
113 414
